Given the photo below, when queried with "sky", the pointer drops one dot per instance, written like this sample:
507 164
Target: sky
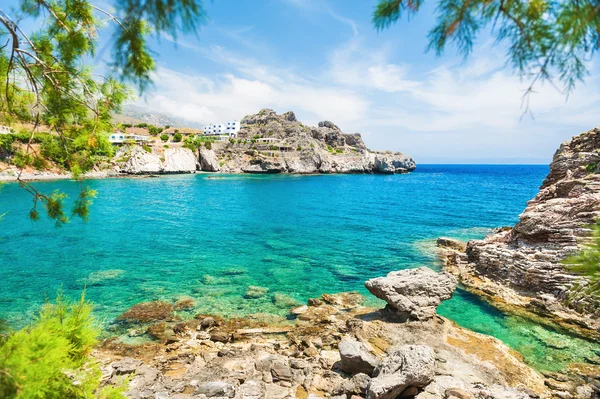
324 60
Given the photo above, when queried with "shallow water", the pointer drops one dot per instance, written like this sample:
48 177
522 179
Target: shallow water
211 237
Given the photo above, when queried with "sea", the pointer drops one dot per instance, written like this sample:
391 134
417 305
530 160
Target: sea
212 236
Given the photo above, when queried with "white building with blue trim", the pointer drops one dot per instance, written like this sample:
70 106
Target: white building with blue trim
230 129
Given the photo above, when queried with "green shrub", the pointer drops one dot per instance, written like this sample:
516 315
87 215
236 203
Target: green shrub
339 150
164 137
166 146
147 148
208 145
177 137
50 358
329 148
40 163
22 159
299 148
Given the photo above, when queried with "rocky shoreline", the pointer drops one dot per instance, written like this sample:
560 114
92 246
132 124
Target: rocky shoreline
521 269
333 348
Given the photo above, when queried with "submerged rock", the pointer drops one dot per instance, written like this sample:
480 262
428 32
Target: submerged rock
148 311
413 293
256 292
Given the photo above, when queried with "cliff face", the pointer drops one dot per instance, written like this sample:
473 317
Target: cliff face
555 223
275 143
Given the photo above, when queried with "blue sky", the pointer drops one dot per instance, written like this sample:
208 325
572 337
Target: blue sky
323 59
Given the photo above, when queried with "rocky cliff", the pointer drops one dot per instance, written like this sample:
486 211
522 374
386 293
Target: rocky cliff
523 264
272 143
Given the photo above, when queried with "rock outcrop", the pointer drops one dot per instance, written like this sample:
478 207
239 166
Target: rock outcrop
142 162
272 143
208 160
405 366
179 160
413 293
523 265
356 357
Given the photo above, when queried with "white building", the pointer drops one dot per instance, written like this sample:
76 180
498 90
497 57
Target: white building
230 129
121 138
5 129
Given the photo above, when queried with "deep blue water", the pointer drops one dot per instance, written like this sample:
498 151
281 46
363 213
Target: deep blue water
210 237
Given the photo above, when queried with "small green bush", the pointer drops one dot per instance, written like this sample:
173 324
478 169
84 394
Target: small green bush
208 145
329 148
177 137
339 150
166 146
50 358
299 148
21 159
164 137
147 148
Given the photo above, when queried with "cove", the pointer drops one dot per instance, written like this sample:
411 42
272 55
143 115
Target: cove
212 236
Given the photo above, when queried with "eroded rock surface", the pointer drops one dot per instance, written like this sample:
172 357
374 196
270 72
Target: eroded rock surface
179 160
208 160
523 265
282 144
142 162
413 293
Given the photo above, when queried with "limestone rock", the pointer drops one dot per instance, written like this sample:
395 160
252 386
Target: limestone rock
389 163
528 257
216 389
406 365
208 161
179 160
413 293
356 358
142 162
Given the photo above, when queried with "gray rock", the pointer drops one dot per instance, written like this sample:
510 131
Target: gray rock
356 358
389 163
281 371
127 365
208 161
251 389
216 389
413 293
406 365
142 162
179 160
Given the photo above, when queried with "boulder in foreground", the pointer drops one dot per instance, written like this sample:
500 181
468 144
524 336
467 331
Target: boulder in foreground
414 293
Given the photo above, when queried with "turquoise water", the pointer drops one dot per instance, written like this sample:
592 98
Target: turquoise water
211 237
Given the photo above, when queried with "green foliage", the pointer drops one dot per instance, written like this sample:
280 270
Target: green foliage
166 146
546 40
142 125
299 148
147 148
168 126
339 150
592 167
164 137
208 145
177 137
329 148
50 358
155 131
587 263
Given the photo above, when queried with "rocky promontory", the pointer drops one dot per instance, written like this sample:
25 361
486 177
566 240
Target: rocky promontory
524 265
267 143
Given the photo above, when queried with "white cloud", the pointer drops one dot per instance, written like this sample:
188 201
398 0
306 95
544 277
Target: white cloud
452 111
